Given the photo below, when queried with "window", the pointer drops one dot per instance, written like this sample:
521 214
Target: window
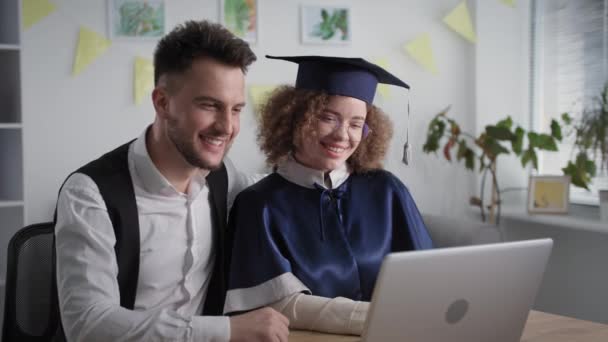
568 69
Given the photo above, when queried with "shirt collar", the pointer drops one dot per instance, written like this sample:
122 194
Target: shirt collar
152 179
307 177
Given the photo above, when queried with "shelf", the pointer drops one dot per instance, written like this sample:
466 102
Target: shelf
11 160
12 47
10 125
10 87
579 218
9 22
12 221
11 204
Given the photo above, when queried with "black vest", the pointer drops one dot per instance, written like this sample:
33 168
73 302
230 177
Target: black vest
111 174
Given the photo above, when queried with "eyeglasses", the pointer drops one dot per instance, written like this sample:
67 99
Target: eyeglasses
356 129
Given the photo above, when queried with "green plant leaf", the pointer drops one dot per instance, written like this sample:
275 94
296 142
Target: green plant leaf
542 141
462 149
518 143
431 145
584 163
546 142
506 123
494 148
529 155
575 176
434 135
482 163
566 118
500 132
533 139
556 130
469 159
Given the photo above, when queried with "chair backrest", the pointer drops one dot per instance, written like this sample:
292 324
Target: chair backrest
31 311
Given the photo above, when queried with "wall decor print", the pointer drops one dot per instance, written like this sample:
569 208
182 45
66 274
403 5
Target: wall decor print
136 19
241 18
548 194
325 25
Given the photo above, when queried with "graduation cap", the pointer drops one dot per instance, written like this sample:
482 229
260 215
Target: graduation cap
353 77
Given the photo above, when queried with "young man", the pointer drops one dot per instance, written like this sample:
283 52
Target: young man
139 231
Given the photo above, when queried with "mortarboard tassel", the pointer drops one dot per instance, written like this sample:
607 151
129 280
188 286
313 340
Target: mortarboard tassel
407 149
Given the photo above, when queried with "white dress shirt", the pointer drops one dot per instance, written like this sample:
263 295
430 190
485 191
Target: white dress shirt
176 258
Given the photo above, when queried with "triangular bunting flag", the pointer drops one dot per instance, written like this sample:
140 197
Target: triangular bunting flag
383 89
510 3
143 78
420 50
90 46
459 20
35 10
259 94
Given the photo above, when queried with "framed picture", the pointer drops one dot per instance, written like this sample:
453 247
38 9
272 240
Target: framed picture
241 18
136 19
325 25
548 194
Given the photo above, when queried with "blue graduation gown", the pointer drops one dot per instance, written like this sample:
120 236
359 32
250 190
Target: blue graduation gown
332 240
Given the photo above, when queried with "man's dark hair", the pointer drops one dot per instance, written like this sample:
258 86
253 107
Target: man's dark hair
177 50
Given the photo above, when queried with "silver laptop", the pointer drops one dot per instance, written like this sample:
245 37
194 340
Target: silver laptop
473 294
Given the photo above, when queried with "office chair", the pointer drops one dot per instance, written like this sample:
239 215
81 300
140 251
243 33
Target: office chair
31 311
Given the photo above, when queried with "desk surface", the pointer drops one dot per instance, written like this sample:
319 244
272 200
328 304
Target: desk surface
541 327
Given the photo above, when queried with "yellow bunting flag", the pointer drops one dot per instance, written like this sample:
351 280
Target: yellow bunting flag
383 89
90 46
459 20
421 51
143 78
35 10
259 94
508 2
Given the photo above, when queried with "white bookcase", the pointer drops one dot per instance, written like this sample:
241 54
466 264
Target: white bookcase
11 129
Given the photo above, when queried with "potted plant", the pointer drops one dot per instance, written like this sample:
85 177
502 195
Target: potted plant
591 143
503 138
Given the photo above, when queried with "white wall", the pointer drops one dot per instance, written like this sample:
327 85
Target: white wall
501 80
71 120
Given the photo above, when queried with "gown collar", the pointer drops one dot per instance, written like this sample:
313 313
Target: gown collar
304 176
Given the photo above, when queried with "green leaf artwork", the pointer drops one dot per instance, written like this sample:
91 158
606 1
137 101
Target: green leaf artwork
137 18
325 24
239 16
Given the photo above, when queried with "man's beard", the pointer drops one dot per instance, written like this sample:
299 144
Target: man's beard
188 151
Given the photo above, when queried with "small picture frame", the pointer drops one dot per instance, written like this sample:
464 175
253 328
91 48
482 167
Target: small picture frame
136 19
328 25
548 194
241 18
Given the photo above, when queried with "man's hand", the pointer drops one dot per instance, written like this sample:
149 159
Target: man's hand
264 325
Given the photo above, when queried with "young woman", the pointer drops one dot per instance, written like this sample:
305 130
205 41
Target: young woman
309 238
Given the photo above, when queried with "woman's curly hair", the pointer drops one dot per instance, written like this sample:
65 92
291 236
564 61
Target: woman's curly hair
289 113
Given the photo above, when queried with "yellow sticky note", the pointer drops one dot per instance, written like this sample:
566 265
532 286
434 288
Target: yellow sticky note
459 20
90 46
508 2
35 10
259 94
383 89
143 78
421 51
